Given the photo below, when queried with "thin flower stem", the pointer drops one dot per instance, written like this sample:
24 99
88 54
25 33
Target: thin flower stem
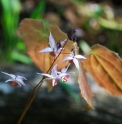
32 93
36 90
29 104
30 84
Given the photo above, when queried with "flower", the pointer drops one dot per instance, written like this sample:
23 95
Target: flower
63 74
15 80
53 77
74 58
54 48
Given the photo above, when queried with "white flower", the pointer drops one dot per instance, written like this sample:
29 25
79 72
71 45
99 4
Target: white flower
54 48
15 80
74 58
63 74
53 77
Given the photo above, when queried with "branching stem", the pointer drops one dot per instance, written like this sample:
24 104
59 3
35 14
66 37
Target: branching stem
36 90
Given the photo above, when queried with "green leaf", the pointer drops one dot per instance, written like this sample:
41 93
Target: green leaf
84 46
38 12
69 89
20 57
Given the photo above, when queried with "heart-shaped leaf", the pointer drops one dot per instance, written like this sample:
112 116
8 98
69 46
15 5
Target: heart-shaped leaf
35 36
106 68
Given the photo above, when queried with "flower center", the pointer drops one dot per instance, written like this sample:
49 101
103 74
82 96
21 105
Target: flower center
52 53
65 78
13 83
71 61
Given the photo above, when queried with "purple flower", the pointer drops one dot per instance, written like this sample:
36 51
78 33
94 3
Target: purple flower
54 48
74 58
15 80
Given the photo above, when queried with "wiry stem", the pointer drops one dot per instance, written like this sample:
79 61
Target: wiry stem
30 84
36 90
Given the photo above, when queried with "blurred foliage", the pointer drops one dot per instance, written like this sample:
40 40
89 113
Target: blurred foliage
39 10
98 22
11 47
84 46
101 21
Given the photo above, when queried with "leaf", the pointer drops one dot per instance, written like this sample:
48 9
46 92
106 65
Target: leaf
35 35
70 90
106 68
83 83
15 55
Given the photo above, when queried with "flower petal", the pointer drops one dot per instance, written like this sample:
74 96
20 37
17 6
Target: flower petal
59 50
55 50
52 41
79 57
63 74
20 81
60 44
76 63
21 77
64 70
67 58
46 50
54 71
54 82
63 42
13 82
9 80
11 75
47 79
72 53
47 75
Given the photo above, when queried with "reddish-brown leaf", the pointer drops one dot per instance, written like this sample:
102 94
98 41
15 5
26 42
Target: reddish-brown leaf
83 83
106 68
35 37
